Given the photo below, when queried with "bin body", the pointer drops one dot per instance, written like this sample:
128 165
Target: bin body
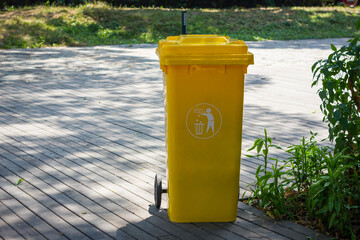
204 111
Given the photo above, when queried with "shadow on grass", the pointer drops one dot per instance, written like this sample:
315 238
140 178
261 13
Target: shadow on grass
102 25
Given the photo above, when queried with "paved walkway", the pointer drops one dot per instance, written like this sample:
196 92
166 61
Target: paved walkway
84 128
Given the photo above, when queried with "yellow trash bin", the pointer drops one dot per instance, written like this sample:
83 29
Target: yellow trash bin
204 92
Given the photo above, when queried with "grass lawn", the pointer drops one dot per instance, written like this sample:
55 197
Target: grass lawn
101 24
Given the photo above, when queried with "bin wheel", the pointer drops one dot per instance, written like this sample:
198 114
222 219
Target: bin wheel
158 191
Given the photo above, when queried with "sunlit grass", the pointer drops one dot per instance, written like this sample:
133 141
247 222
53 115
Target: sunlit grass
100 24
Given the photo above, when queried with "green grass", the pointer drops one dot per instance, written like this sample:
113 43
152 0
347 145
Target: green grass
101 24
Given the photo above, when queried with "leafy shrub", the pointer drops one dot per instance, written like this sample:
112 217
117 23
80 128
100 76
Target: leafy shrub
328 198
339 76
321 181
340 94
312 184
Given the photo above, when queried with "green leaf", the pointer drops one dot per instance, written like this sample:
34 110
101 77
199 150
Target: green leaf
337 115
344 123
314 66
314 83
260 145
322 95
255 144
19 181
324 209
275 146
337 207
327 184
331 203
333 47
265 151
332 220
258 170
357 25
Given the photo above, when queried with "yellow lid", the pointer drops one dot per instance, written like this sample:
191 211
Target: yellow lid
203 50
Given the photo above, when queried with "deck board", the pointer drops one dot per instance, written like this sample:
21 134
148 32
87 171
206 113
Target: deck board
31 219
7 232
77 181
37 208
85 128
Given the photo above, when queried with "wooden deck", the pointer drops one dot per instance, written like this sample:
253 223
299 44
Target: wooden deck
84 128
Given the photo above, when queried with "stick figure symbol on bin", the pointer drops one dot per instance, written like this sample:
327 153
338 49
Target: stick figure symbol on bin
210 118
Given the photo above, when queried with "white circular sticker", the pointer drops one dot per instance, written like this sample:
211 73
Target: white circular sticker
203 121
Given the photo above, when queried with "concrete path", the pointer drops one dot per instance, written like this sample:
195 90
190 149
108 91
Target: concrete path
84 128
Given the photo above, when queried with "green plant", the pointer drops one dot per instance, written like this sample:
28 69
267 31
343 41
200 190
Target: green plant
269 185
339 75
262 146
305 162
313 181
328 197
340 94
10 8
321 182
40 43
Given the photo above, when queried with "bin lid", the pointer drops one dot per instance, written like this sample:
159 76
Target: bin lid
203 50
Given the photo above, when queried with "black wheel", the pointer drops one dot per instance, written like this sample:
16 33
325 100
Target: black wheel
157 191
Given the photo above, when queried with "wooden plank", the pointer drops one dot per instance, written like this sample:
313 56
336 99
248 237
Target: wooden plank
100 140
6 232
247 182
293 226
118 222
70 145
162 223
63 206
97 169
220 231
263 232
68 230
109 205
169 237
30 218
270 225
120 114
243 162
18 224
242 232
142 204
151 196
